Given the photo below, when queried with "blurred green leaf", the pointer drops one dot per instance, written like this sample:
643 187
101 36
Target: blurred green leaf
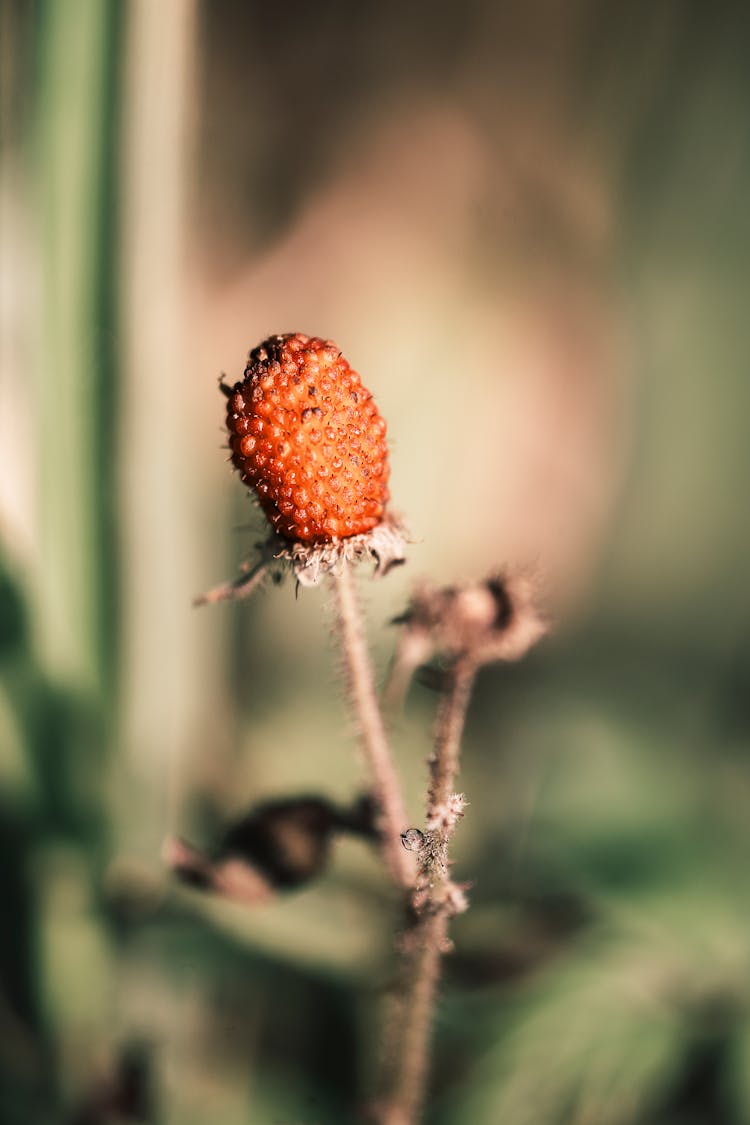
594 1042
738 1073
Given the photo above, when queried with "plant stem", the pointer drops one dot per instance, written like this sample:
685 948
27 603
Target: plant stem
386 786
444 763
410 1060
435 900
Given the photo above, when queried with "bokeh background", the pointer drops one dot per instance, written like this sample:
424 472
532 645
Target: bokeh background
526 224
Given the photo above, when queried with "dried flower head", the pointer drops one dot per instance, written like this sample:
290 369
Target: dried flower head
307 438
481 622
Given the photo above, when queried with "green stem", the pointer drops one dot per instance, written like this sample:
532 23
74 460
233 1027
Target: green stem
74 188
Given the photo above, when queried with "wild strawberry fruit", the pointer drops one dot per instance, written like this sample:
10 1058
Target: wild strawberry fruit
306 436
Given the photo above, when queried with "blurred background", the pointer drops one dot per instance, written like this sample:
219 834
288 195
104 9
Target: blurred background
526 225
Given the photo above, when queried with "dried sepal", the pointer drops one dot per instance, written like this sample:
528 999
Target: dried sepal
310 563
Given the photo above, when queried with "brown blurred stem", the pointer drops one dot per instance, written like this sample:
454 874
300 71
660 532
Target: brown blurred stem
434 901
385 782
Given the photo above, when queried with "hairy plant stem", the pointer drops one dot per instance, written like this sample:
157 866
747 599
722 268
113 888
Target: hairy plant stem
434 901
385 782
444 763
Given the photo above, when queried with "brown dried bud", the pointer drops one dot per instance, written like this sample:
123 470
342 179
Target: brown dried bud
278 845
287 840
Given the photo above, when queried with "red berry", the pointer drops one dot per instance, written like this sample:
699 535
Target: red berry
306 435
